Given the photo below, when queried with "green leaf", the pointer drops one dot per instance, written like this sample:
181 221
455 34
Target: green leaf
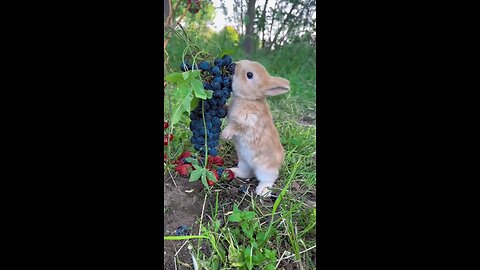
216 224
257 258
248 231
198 90
270 254
270 266
190 160
235 217
186 103
185 75
174 77
204 179
248 215
260 237
243 224
247 254
194 175
234 256
211 176
183 93
198 167
209 94
194 74
194 103
177 114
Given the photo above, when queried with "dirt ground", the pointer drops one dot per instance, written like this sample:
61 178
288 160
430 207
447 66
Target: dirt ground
185 208
180 208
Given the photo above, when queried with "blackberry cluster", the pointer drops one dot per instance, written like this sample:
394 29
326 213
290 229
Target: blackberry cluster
216 76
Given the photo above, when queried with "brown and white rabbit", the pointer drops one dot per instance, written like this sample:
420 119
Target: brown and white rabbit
250 124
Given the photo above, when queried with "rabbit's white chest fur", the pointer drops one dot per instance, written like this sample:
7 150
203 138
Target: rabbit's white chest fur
244 150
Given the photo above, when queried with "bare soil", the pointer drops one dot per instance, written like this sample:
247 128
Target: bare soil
185 208
180 208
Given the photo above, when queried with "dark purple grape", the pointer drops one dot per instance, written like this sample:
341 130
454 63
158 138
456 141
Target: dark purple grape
216 85
218 79
215 70
204 65
213 152
226 60
221 101
185 66
221 113
231 68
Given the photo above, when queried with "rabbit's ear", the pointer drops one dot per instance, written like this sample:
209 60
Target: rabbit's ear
277 86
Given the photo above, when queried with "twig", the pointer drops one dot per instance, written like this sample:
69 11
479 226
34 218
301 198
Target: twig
165 43
180 248
298 253
201 217
279 260
171 176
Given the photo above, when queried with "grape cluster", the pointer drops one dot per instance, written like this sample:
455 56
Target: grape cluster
216 76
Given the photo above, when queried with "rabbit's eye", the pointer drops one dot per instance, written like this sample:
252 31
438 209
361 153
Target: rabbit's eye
249 75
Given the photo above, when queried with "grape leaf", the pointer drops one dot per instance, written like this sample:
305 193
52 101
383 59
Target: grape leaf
174 77
186 103
184 93
209 93
197 87
185 75
194 103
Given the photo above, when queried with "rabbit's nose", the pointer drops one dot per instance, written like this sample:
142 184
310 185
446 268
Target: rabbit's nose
231 68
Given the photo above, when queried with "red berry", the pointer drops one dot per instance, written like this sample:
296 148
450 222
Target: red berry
230 174
210 182
165 157
167 138
165 125
215 160
183 169
185 155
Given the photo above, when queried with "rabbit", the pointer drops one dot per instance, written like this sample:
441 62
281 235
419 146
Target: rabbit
250 124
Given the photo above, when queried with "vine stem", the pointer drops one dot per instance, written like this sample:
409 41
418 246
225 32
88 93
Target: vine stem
165 43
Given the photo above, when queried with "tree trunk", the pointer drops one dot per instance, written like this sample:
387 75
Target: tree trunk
167 13
287 19
241 17
264 20
249 34
271 26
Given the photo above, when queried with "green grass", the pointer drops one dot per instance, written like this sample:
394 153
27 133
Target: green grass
282 232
